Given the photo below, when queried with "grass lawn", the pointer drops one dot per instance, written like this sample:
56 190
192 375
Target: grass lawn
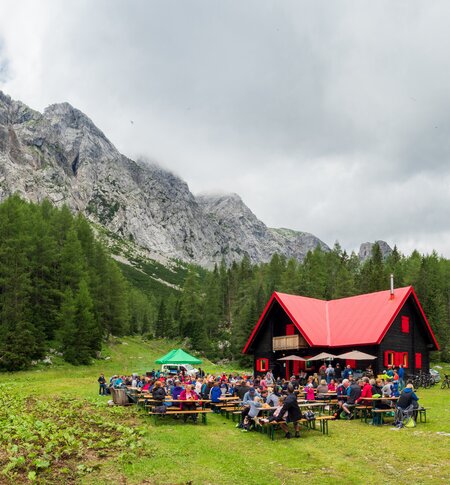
122 445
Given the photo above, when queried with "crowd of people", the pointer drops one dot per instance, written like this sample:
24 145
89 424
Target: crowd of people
255 392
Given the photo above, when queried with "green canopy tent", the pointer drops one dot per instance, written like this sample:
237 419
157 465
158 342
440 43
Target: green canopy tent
178 356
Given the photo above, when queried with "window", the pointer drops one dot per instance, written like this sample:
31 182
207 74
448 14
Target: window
262 365
389 358
405 324
405 360
418 360
401 358
290 329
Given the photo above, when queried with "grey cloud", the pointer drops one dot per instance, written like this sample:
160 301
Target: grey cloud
322 116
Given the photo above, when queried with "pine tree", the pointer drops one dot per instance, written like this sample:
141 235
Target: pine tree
161 321
20 340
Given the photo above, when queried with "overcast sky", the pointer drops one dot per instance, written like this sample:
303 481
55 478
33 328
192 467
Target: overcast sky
326 117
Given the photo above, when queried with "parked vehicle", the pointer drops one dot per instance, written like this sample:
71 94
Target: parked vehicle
435 375
173 369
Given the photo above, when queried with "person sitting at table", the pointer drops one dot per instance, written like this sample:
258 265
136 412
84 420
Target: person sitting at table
272 398
291 407
254 407
249 396
177 390
275 413
377 386
353 393
366 391
264 394
387 388
332 386
322 390
215 394
240 390
159 394
190 396
407 398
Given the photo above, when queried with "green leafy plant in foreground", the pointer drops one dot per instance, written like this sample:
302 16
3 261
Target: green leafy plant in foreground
47 440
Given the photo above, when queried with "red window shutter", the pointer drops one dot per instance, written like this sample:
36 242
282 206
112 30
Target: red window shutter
296 367
418 360
386 358
351 363
290 329
405 324
398 358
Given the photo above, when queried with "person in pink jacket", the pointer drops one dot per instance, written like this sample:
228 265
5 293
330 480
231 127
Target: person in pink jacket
191 397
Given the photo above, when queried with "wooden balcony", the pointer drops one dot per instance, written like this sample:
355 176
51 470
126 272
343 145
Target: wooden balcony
289 342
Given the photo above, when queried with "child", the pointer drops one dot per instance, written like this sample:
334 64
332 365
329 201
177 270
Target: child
275 414
255 406
309 389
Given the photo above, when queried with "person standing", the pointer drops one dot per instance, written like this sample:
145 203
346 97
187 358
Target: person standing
330 373
401 377
102 382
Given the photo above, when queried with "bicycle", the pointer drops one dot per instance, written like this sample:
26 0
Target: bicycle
445 382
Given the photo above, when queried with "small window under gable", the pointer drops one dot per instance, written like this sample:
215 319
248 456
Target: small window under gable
262 365
290 329
405 324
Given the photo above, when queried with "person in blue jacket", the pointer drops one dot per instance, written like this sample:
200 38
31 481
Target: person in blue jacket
214 394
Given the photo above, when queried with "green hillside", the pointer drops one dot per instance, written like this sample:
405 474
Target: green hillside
54 428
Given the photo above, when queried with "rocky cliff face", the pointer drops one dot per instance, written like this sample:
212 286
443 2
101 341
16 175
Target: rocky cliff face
244 233
365 250
61 155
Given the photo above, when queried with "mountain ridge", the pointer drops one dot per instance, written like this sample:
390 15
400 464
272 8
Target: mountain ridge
62 155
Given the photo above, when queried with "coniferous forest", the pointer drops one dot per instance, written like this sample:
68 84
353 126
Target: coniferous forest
60 289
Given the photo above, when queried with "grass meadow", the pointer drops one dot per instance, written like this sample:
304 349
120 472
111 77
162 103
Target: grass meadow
54 428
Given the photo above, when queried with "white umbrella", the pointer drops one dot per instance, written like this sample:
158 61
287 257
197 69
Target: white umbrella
293 357
323 356
356 355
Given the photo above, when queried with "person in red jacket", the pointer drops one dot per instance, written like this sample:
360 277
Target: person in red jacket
366 391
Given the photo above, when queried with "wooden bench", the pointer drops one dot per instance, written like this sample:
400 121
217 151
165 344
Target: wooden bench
202 412
363 412
381 413
308 423
229 410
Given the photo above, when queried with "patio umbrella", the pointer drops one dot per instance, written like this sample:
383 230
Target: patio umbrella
293 357
356 355
323 356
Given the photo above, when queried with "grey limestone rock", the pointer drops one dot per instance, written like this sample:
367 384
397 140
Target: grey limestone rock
365 250
62 156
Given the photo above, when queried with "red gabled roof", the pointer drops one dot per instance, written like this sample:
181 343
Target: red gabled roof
357 320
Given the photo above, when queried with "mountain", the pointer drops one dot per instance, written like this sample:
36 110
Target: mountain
365 250
246 234
61 155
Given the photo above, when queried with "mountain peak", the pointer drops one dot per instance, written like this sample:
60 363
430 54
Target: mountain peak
62 156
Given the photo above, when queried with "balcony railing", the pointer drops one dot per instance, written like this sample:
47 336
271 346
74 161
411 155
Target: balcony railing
288 342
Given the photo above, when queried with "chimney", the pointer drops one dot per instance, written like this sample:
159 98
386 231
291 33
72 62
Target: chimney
392 286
